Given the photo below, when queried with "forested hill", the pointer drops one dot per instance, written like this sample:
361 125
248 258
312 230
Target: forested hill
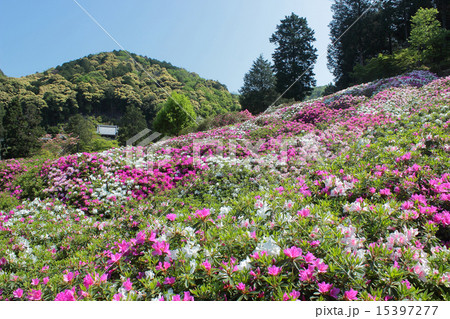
105 84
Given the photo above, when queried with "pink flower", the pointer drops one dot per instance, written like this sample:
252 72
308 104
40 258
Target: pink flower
18 293
35 281
66 295
274 270
117 297
295 294
304 212
309 258
334 292
140 237
68 277
187 296
171 217
324 288
45 280
350 295
160 248
240 287
372 190
207 265
127 284
169 280
88 281
202 214
321 267
34 295
3 261
293 252
385 191
176 298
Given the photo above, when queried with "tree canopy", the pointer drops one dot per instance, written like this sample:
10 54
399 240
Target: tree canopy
294 57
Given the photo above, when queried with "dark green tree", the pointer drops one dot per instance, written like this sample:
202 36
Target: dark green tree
294 57
22 128
259 89
131 123
176 114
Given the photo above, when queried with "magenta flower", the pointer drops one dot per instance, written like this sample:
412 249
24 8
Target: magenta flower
350 295
207 265
45 280
202 214
66 295
310 258
140 237
68 277
160 248
334 292
35 281
171 217
274 270
324 288
169 280
385 191
293 252
18 293
88 281
34 295
241 287
117 297
127 284
295 294
304 212
187 296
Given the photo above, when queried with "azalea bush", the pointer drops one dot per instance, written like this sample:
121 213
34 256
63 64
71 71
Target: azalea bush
341 198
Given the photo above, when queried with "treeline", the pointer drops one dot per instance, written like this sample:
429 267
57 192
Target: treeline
102 88
369 40
377 39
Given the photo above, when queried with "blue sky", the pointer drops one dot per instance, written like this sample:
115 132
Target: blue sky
219 40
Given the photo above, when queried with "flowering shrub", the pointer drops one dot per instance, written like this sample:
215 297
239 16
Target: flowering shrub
343 199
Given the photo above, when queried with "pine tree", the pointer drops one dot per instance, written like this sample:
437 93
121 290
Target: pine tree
294 57
258 91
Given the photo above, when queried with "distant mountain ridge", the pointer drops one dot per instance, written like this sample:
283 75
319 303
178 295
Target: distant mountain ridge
104 84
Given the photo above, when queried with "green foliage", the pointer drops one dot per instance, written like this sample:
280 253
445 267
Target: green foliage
259 89
294 57
428 51
427 37
8 202
22 127
131 123
105 84
176 114
83 129
380 27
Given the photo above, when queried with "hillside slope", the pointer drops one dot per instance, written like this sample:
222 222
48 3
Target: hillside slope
105 83
341 198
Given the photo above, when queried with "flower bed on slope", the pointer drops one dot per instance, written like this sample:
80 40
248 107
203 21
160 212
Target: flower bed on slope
341 200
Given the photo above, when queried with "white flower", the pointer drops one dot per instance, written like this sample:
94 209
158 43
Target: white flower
268 245
149 274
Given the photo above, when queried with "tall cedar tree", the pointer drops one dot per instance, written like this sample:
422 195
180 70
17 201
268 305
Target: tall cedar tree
131 123
294 57
259 89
